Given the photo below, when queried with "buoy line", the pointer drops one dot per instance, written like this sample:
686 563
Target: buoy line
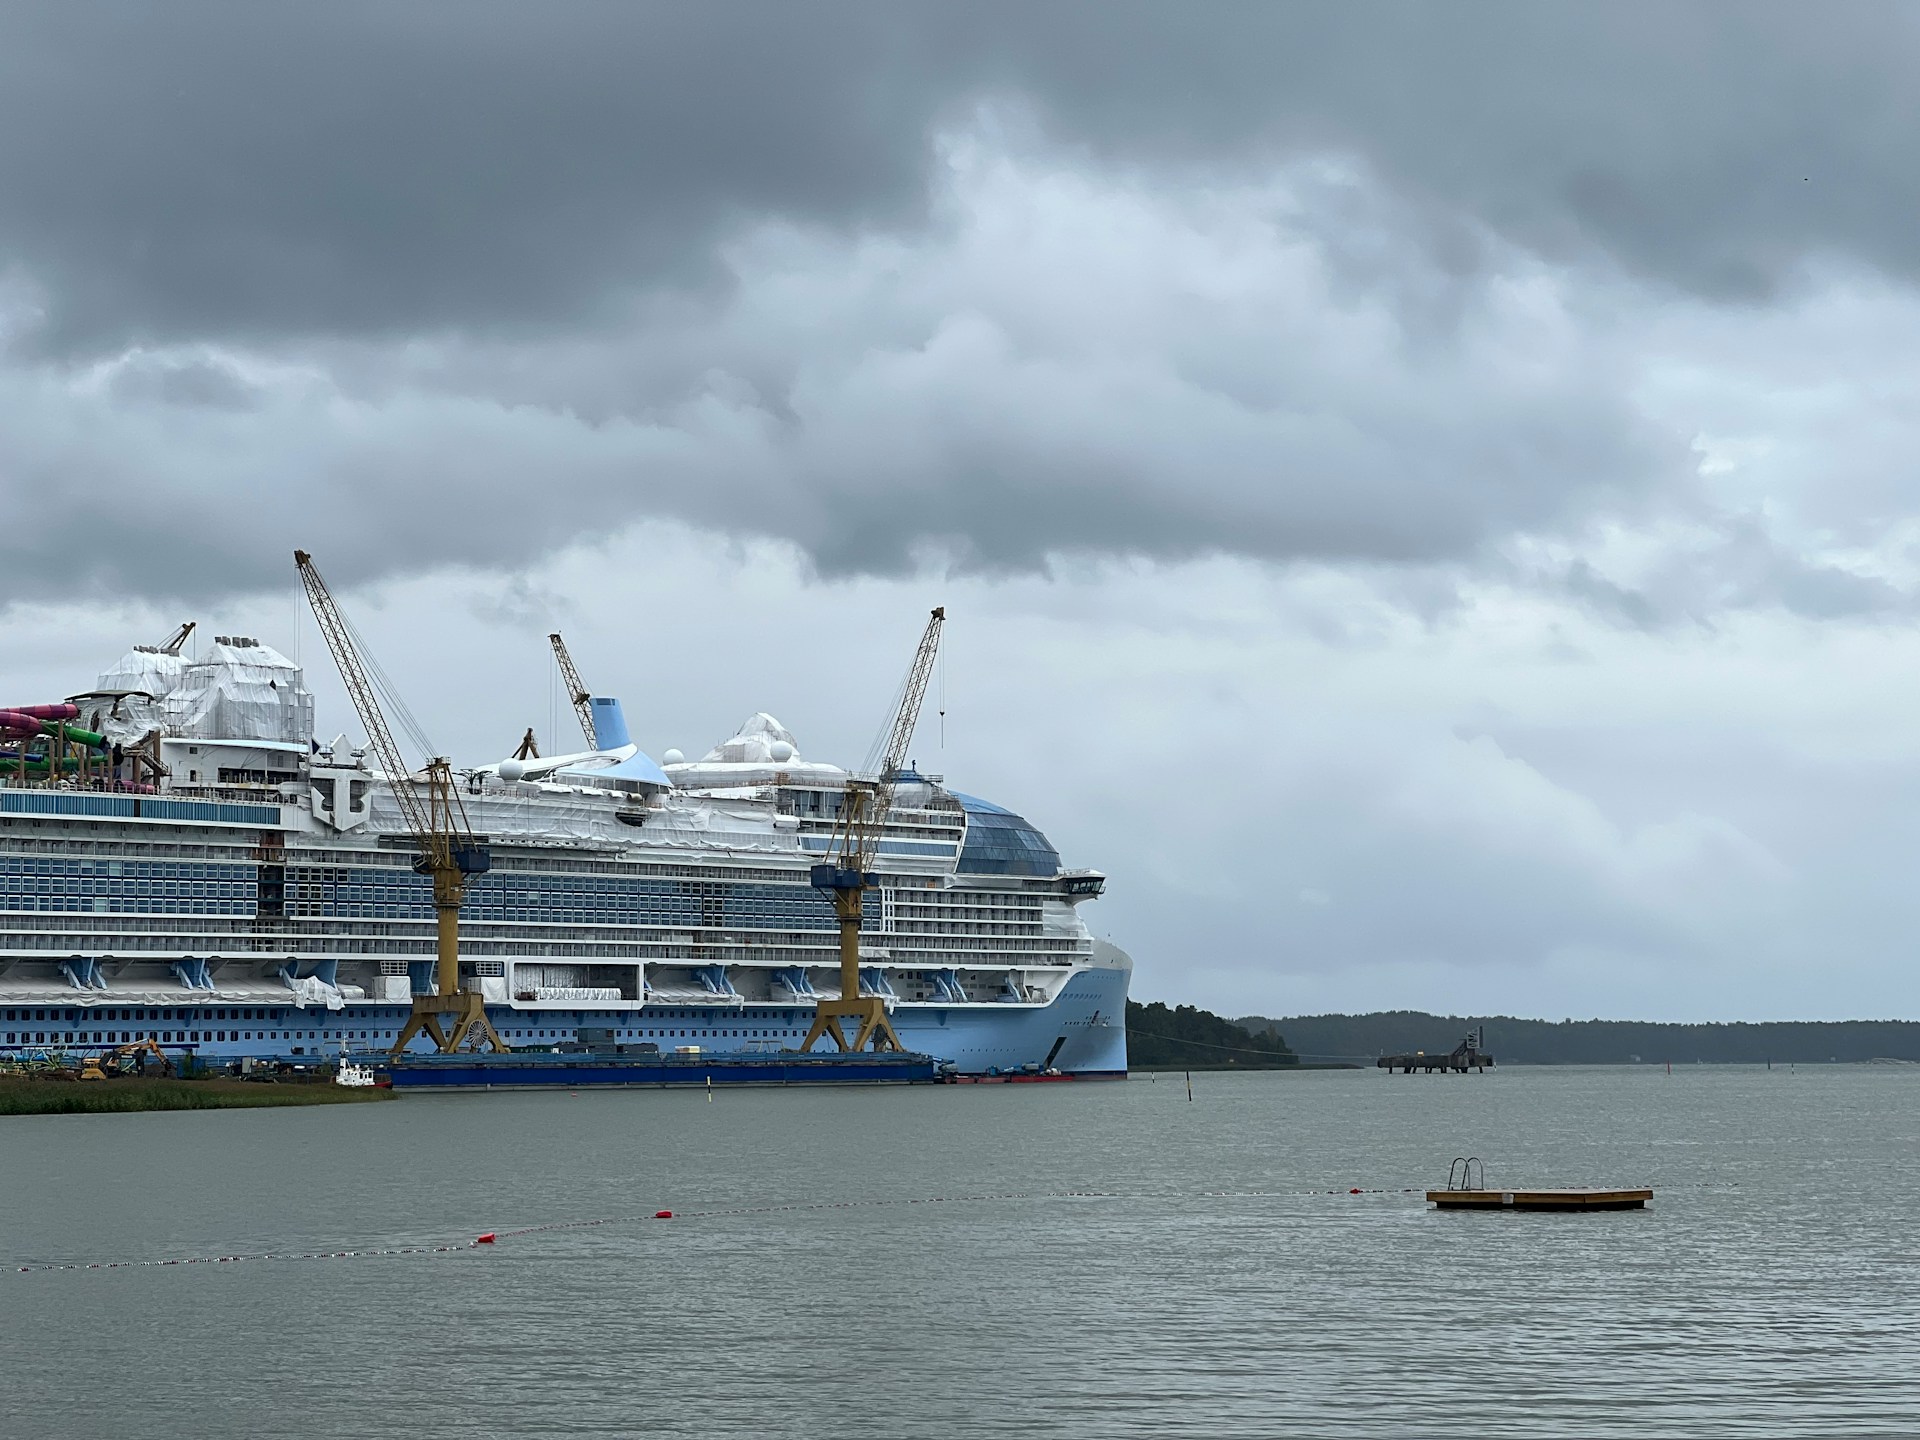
493 1237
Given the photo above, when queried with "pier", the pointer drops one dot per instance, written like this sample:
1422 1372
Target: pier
1465 1056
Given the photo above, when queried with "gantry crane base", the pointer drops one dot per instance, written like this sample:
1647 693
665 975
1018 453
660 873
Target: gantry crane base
466 1012
871 1013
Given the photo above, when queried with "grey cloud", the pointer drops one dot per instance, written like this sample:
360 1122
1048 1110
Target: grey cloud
984 406
185 381
206 170
503 277
195 170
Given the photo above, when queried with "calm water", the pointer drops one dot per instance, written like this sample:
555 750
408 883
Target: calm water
1213 1287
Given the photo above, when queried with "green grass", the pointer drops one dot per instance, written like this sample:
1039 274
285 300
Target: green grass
34 1096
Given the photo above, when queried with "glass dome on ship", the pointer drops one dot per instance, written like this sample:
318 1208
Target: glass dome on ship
217 877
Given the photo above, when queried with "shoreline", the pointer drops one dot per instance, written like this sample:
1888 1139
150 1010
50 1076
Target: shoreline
31 1095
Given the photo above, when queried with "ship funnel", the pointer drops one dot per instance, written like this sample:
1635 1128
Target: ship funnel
609 724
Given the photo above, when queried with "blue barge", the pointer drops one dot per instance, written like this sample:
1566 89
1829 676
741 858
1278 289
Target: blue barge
603 1070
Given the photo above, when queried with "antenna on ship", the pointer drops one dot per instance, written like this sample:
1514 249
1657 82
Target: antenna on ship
856 846
449 851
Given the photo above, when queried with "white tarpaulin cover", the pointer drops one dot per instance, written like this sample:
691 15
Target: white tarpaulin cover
241 690
153 671
761 753
312 990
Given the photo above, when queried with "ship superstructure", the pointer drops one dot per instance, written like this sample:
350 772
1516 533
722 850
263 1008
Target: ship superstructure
181 859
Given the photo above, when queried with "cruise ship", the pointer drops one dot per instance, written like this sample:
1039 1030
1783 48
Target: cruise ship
182 859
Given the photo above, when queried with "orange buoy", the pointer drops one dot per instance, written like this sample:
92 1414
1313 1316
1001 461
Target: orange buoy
486 1239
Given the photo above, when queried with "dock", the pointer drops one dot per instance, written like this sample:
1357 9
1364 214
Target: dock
540 1070
1465 1056
1540 1199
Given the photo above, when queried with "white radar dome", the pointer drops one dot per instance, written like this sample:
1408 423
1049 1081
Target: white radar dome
511 770
780 751
673 757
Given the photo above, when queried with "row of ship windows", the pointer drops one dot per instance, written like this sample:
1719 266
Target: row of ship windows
379 864
215 889
363 885
178 1037
192 1015
114 872
266 1014
185 1037
133 905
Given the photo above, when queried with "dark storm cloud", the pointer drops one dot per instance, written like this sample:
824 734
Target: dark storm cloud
211 169
434 284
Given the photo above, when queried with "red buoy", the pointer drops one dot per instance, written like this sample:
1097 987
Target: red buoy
1354 1191
663 1214
486 1239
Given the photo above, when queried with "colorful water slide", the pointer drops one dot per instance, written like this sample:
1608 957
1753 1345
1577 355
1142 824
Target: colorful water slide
41 720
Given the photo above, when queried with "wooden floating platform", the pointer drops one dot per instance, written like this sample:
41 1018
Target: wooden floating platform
1540 1199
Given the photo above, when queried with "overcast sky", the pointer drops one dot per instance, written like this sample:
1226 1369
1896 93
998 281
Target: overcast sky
1424 495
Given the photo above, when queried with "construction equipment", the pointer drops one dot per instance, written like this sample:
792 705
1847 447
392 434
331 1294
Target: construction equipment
856 843
133 1058
173 644
434 813
124 1060
529 747
576 691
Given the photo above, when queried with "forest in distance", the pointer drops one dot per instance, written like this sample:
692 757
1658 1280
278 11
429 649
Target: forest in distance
1182 1037
1513 1041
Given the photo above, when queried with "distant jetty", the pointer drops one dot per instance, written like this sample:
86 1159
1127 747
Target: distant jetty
1465 1056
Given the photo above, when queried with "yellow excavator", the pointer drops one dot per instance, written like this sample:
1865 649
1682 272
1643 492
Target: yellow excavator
125 1060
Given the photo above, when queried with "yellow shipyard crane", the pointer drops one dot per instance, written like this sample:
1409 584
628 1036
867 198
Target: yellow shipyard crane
434 813
848 875
576 691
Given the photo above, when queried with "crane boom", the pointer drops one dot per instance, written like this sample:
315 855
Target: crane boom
173 643
905 721
438 819
576 691
353 674
856 844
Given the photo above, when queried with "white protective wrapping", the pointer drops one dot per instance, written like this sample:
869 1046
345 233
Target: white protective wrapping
241 690
131 703
577 994
748 759
312 990
154 671
124 719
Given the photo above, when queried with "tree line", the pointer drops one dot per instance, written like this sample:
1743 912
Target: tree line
1514 1041
1185 1037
